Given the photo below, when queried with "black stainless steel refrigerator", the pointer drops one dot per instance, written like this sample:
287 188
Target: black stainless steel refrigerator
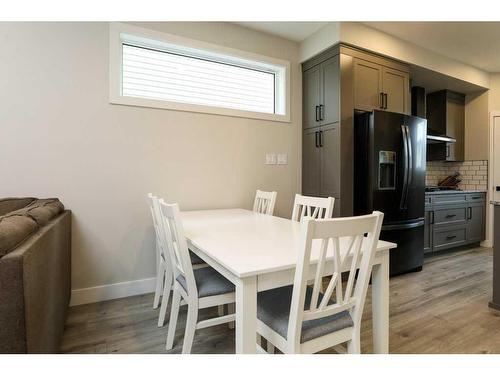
389 169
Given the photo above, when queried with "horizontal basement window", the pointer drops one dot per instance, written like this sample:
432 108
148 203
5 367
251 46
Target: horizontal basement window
172 75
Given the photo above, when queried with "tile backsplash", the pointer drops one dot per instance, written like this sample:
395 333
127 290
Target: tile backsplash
473 173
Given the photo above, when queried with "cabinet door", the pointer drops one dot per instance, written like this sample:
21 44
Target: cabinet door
330 160
330 91
476 222
311 162
395 85
428 232
455 124
311 97
367 85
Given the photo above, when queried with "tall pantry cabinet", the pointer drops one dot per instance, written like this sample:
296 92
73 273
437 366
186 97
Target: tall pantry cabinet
335 84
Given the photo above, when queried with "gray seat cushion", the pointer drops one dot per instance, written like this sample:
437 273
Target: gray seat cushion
273 309
209 282
195 259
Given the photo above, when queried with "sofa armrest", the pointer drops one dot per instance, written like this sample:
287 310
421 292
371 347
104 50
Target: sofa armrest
13 329
44 261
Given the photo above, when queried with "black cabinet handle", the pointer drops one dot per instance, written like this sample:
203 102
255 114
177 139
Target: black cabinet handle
450 215
321 138
385 100
316 139
321 112
432 217
450 237
381 100
470 213
317 110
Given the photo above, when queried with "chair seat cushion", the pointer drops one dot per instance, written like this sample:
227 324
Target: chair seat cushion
273 309
195 259
209 282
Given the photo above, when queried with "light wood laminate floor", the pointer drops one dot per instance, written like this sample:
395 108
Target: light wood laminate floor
443 309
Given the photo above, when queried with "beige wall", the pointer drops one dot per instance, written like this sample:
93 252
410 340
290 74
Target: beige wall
62 138
494 98
476 126
364 36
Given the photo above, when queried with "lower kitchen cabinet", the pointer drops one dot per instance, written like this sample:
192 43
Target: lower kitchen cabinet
453 220
428 231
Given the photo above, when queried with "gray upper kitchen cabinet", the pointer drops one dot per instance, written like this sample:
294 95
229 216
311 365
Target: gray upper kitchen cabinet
367 85
395 87
321 94
330 160
446 115
380 87
329 106
311 162
311 97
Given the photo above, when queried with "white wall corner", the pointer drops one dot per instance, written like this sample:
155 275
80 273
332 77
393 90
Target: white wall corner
363 36
320 41
112 291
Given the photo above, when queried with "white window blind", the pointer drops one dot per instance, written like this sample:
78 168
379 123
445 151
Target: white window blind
171 76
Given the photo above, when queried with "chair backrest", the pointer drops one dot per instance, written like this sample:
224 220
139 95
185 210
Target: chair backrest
264 202
313 207
155 214
352 239
177 245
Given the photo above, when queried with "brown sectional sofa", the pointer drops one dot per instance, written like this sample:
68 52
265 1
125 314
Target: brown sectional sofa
35 274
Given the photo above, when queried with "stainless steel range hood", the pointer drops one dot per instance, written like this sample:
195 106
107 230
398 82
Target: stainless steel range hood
438 138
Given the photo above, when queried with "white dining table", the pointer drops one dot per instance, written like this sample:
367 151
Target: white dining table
258 252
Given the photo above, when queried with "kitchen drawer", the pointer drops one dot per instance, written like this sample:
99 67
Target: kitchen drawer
449 237
450 215
449 198
476 197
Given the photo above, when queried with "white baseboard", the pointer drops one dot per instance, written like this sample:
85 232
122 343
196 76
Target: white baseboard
112 291
486 243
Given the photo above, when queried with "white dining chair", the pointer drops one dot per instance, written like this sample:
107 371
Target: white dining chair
160 258
264 202
199 288
313 207
164 272
300 319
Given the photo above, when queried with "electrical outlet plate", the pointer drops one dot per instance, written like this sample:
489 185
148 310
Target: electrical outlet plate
270 159
282 159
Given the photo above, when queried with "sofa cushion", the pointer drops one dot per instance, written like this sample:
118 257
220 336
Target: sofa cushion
44 210
13 204
14 229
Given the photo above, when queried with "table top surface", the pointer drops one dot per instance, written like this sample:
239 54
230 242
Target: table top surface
248 243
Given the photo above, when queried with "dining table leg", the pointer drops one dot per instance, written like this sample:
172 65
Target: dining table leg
246 315
380 304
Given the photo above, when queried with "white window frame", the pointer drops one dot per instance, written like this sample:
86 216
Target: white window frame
120 31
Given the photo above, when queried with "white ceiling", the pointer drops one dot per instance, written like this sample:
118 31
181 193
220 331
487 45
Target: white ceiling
473 43
296 31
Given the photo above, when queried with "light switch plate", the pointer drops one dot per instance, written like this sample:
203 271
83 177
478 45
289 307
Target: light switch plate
270 159
282 159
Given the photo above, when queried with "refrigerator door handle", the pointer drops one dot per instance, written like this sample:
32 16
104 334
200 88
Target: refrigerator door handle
410 158
402 203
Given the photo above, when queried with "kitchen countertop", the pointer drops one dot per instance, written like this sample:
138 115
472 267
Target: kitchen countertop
455 192
495 203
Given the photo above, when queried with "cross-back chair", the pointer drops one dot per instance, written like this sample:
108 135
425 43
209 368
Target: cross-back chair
313 207
264 202
199 288
164 273
301 319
